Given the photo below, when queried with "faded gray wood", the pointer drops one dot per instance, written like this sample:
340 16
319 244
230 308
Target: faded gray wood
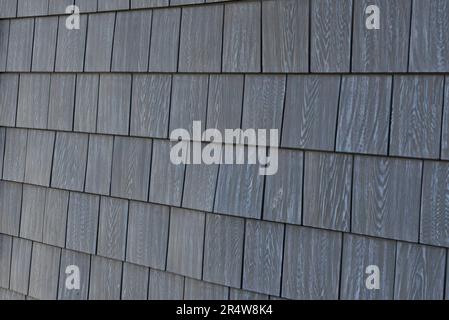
15 154
4 38
32 218
82 222
69 161
62 102
39 157
283 190
9 87
135 282
99 164
86 102
32 8
167 179
6 294
99 42
165 286
310 116
285 36
44 48
44 272
148 3
131 168
185 244
359 252
150 107
5 259
434 225
311 264
59 6
113 5
225 102
201 39
87 5
8 8
364 114
71 46
429 46
419 272
181 2
200 290
10 206
445 130
20 45
20 265
105 279
386 49
82 261
112 228
242 37
263 257
386 197
2 148
330 44
416 116
188 101
114 104
55 217
32 108
223 250
165 40
236 294
131 41
327 191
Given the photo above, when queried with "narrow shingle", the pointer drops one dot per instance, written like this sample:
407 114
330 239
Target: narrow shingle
44 48
20 265
10 206
99 164
32 217
62 100
15 154
105 279
86 102
34 97
9 87
135 282
44 272
5 259
55 217
82 262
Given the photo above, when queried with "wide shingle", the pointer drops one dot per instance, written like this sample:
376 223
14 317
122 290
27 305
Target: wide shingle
82 261
99 164
44 48
59 6
71 46
44 272
236 294
148 3
165 286
5 259
86 102
39 157
62 101
32 218
87 5
200 290
20 265
32 108
20 45
113 5
32 8
8 8
55 217
135 282
105 279
9 87
15 154
10 206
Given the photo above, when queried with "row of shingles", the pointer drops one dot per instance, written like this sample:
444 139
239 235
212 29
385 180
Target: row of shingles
268 36
408 271
42 271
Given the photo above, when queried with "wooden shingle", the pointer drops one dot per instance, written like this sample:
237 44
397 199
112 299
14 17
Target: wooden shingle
15 154
135 282
44 272
200 290
32 218
20 265
4 38
10 206
86 102
87 5
99 164
105 279
82 261
55 217
236 294
9 87
71 46
135 4
32 108
445 130
6 294
165 286
2 149
59 6
39 157
8 8
113 5
62 101
32 8
20 45
44 48
5 259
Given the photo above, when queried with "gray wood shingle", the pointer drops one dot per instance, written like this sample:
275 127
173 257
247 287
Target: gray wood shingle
20 265
2 149
32 217
99 164
62 102
87 5
44 48
4 38
6 294
445 130
148 3
32 8
71 46
82 261
105 279
9 87
44 272
59 6
8 8
200 290
135 282
20 45
5 259
165 286
33 102
15 154
86 102
55 217
113 5
10 206
236 294
39 157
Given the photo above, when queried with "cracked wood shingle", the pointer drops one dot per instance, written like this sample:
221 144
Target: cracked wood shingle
55 217
99 164
165 286
15 154
44 47
9 87
135 282
86 102
82 261
32 217
62 100
105 279
71 46
10 206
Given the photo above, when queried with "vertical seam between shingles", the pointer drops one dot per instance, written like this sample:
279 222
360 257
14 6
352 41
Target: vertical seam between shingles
7 46
98 225
67 219
113 42
394 269
85 42
337 120
52 159
261 35
87 162
390 122
56 43
168 240
121 279
284 228
74 103
151 39
420 200
309 38
301 220
222 38
130 103
341 266
32 44
204 246
167 131
10 262
410 36
90 277
243 253
112 167
30 265
3 155
284 103
351 36
352 193
17 101
179 40
98 101
59 272
444 106
151 171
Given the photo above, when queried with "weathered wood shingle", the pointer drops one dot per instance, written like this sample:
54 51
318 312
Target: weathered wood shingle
32 217
165 286
82 261
20 265
9 87
5 259
200 290
86 102
20 45
135 282
55 217
62 102
15 154
105 279
99 164
39 156
44 48
34 97
71 46
10 206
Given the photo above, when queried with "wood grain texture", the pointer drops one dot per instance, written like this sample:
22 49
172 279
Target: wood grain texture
429 46
285 36
71 47
32 8
99 42
20 45
55 217
242 37
131 41
165 286
20 265
327 191
364 114
310 115
62 102
44 47
39 157
185 244
9 87
44 272
113 5
445 130
8 8
434 225
82 261
131 168
82 222
283 190
114 104
32 108
165 40
386 49
135 282
32 217
6 295
419 272
69 161
87 5
150 107
5 259
4 39
99 164
200 290
330 34
359 252
86 102
223 250
147 234
15 154
201 39
311 264
416 116
167 179
262 261
112 227
236 294
386 197
148 3
105 279
58 6
10 206
2 149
